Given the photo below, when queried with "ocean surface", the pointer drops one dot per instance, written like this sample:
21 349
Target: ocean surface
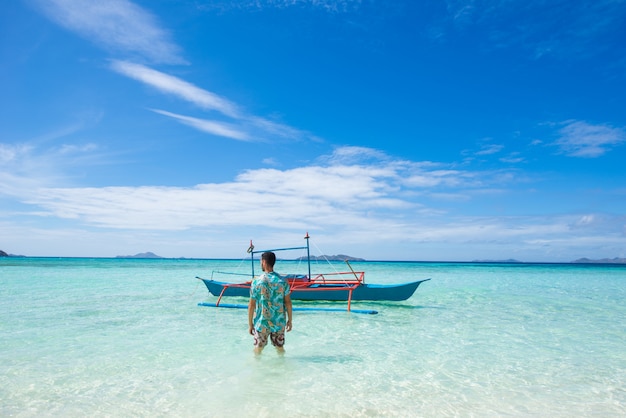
126 338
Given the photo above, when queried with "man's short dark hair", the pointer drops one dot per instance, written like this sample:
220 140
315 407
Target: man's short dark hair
269 257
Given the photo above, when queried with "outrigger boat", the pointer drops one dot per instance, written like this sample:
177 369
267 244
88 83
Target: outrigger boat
337 286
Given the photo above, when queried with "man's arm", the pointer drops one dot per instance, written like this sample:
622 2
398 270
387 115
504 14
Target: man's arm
251 309
289 312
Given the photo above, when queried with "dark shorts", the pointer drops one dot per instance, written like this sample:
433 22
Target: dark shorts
277 338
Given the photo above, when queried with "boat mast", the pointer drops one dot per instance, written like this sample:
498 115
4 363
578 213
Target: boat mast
251 251
308 254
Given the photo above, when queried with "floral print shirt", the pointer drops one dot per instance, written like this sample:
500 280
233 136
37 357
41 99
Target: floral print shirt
269 291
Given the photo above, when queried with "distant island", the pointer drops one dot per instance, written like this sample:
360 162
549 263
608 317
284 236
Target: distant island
338 257
615 260
5 254
343 257
508 261
140 255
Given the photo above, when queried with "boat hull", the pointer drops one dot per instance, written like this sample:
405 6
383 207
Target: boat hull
320 291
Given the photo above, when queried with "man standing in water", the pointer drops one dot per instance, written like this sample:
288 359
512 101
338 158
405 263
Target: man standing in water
269 309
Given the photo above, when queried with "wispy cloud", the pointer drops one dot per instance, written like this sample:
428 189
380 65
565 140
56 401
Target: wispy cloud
10 153
437 178
490 149
209 126
332 6
513 158
119 26
242 126
581 139
26 167
176 87
544 28
352 154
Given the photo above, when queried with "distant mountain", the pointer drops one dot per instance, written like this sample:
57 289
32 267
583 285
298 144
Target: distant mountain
140 255
510 260
615 260
338 257
5 254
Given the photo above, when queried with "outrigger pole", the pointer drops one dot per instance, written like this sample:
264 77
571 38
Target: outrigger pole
252 252
295 308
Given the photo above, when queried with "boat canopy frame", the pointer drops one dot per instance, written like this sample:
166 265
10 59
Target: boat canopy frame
252 252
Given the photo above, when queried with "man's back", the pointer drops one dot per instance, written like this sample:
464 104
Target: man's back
269 291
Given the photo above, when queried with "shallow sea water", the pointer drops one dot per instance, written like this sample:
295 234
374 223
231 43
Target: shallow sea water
119 337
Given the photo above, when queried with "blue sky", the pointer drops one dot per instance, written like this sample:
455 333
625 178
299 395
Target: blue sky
404 130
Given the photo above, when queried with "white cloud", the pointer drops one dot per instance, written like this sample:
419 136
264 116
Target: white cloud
319 195
118 25
177 87
366 201
429 179
513 158
77 149
27 167
23 169
267 129
330 194
351 154
490 149
209 126
10 153
359 192
581 139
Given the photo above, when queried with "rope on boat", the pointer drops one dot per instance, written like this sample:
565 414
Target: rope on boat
353 272
194 290
337 272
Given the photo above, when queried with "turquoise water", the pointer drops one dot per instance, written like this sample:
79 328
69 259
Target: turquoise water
114 337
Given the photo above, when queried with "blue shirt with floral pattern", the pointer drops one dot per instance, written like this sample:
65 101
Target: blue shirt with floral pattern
269 291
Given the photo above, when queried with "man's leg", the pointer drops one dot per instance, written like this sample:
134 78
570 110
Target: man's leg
278 341
260 341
